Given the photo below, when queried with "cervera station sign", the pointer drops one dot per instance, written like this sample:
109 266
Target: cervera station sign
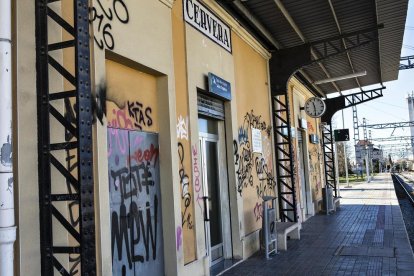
206 22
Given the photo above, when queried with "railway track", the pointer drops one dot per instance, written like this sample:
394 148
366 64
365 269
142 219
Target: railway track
405 195
408 189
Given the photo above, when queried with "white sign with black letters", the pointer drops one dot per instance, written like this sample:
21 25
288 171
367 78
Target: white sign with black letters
256 140
206 22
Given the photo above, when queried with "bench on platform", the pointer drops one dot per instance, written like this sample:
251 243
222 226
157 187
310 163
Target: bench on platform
337 203
285 230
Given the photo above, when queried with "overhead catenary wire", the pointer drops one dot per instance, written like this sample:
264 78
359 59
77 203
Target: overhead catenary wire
399 106
385 112
410 47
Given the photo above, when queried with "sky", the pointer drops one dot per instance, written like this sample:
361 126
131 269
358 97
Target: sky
390 108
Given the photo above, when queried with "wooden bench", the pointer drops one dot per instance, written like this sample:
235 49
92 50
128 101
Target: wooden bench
285 230
337 203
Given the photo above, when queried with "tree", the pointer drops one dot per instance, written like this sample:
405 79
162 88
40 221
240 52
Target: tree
341 157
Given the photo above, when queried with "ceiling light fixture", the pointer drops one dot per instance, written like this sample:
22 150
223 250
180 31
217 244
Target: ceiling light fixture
344 77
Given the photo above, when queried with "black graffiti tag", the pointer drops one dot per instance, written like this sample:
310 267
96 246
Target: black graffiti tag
244 166
104 17
236 152
141 114
251 120
130 182
141 229
72 165
245 159
185 191
267 181
75 263
138 223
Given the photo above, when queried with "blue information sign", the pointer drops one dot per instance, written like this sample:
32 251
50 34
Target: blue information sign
219 87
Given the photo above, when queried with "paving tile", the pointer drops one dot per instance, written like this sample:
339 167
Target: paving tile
366 236
354 251
405 265
381 252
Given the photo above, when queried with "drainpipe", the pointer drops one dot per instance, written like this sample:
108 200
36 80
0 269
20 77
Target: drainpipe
7 226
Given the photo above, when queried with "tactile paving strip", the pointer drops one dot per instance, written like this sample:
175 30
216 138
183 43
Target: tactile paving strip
368 251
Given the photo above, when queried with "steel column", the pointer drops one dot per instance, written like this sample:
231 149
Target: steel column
79 175
329 157
284 158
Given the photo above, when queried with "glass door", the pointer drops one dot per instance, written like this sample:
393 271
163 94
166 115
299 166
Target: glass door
211 188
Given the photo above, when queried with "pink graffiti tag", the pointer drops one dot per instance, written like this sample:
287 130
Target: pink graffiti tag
149 155
179 237
116 138
122 120
196 175
138 140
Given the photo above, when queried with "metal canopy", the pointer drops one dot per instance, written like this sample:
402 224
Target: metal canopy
281 24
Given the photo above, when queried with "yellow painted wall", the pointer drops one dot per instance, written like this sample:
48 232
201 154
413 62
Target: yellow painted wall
131 98
314 150
187 230
145 40
315 160
140 36
255 176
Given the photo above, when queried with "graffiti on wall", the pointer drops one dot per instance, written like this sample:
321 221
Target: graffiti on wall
140 113
182 127
104 18
197 177
186 233
74 261
136 229
99 102
72 166
258 211
314 168
310 127
134 115
253 169
248 162
251 120
179 237
266 180
186 198
243 161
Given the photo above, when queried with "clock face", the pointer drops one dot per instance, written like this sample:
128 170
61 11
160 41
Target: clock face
315 107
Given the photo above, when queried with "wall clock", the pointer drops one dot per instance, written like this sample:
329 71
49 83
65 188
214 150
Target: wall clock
315 107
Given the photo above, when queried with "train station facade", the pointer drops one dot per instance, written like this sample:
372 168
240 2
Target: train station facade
146 134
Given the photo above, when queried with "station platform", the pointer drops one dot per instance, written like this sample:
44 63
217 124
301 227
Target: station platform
366 236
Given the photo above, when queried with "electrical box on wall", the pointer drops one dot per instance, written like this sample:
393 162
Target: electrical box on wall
314 139
303 124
